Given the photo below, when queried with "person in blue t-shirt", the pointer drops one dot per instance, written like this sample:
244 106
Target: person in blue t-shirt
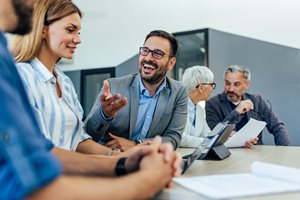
31 168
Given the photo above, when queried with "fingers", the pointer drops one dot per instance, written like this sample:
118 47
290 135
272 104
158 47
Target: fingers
167 151
117 105
111 106
255 140
112 143
112 136
106 91
170 156
245 106
143 151
109 98
248 144
156 143
249 104
169 184
106 87
177 164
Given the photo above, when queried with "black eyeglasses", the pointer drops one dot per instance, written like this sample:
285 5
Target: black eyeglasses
213 85
156 53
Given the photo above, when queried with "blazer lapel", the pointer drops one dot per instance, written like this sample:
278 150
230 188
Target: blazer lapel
162 103
226 104
134 103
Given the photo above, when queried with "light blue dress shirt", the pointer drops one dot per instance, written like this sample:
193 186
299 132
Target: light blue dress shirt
39 83
192 115
147 107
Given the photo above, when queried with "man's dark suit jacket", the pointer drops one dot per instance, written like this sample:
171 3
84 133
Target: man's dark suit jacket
218 109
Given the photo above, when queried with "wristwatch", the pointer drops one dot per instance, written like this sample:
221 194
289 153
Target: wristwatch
138 141
120 168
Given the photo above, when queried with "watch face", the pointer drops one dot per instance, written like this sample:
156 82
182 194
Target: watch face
138 141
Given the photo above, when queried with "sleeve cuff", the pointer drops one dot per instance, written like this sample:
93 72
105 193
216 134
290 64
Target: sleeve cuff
102 115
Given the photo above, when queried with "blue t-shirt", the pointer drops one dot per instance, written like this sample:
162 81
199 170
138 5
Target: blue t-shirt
26 163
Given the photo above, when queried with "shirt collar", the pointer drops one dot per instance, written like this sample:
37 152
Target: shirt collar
43 71
144 91
191 105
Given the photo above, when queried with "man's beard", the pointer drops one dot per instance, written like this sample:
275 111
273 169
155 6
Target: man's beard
235 98
157 76
24 14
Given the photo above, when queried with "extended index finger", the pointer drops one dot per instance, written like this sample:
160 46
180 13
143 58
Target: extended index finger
106 86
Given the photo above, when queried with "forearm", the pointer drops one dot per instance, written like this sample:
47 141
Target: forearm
281 136
277 128
77 163
191 141
91 147
172 137
140 186
214 116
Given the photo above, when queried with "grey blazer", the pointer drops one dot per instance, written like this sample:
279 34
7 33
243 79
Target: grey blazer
168 120
218 109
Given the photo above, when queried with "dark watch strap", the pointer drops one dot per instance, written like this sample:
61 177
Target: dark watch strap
138 141
120 167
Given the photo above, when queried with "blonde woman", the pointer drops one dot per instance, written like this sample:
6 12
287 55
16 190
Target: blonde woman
55 35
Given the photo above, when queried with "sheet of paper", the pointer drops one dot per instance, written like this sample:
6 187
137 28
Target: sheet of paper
241 185
249 131
276 171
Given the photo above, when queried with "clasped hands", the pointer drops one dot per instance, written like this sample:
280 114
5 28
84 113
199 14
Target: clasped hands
156 158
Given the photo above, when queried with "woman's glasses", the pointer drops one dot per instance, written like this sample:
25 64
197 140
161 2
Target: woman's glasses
213 85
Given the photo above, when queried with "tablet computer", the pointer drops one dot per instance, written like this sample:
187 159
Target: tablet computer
218 136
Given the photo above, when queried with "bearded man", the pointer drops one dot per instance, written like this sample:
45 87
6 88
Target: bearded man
237 106
135 108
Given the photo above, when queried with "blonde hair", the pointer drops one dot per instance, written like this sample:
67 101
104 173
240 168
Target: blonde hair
27 47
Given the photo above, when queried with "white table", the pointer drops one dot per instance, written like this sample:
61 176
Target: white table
239 162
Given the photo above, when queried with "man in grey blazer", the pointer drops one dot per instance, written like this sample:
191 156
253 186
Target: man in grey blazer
236 106
143 105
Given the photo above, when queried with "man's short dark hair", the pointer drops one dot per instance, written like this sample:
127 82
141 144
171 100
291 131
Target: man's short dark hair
168 36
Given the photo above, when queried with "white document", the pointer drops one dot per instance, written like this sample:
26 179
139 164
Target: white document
249 131
264 179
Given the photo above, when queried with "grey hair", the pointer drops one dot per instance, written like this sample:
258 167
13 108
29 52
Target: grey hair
238 68
195 75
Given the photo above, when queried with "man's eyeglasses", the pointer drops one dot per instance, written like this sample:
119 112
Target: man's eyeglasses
156 53
213 85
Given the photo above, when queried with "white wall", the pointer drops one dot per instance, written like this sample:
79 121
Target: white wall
112 30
